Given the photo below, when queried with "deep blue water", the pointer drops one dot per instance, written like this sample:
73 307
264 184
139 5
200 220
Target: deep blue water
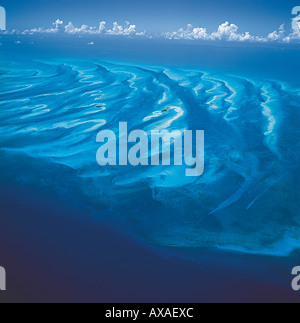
55 95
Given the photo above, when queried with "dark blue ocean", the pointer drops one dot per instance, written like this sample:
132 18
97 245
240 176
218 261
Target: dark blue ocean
239 219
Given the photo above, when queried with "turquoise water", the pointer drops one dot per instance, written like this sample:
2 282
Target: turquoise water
51 110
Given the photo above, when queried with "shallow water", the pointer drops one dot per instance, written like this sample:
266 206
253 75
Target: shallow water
247 199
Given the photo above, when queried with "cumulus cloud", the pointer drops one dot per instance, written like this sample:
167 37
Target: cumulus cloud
230 32
295 35
225 32
281 35
102 27
188 33
59 27
120 30
277 34
85 29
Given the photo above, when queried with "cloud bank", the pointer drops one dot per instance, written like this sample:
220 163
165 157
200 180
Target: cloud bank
58 27
230 32
225 32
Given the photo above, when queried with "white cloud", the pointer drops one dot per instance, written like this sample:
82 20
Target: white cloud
226 32
189 33
277 34
230 32
59 27
127 30
102 27
84 29
295 35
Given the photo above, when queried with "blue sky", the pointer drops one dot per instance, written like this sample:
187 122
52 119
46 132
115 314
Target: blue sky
257 17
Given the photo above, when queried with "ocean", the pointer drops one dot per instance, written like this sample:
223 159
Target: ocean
240 219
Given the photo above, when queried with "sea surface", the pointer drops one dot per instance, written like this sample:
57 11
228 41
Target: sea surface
56 95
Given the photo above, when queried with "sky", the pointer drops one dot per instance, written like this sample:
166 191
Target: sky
256 17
